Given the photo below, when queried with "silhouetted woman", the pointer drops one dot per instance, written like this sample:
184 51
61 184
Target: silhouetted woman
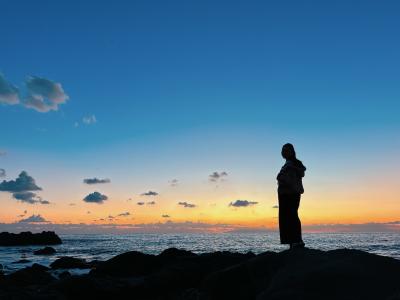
290 188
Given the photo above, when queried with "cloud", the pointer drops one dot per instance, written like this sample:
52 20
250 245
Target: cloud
3 153
124 214
23 183
89 119
95 197
166 216
2 173
217 176
140 203
8 92
96 180
173 182
150 193
29 197
72 204
275 206
44 95
151 203
187 205
34 219
242 203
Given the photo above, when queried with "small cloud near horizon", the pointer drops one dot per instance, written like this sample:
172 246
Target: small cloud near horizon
165 216
124 214
151 203
2 173
34 219
187 205
140 203
275 206
242 203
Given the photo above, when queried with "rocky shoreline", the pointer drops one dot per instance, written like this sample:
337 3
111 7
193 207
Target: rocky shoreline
181 274
29 238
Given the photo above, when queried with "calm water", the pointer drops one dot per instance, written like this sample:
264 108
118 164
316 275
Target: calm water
103 247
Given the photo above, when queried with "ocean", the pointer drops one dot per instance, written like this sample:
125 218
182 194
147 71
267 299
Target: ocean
104 246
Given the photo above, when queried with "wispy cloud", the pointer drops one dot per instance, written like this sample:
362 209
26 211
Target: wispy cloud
242 203
95 197
2 173
29 197
173 182
217 176
151 202
96 180
124 214
150 193
88 120
187 205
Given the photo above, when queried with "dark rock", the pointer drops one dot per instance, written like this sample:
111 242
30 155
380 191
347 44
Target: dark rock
179 274
45 251
69 263
21 261
171 253
29 238
34 275
64 275
128 264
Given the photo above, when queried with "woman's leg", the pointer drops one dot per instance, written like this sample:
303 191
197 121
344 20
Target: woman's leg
284 218
297 235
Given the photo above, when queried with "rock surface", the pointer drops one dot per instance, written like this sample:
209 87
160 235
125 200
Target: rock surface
29 238
45 251
179 274
69 263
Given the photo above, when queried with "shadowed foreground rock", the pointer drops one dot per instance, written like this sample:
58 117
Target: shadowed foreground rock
179 274
29 238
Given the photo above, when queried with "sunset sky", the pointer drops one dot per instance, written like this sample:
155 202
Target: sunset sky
174 110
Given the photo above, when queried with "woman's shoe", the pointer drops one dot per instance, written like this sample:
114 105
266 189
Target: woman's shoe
298 245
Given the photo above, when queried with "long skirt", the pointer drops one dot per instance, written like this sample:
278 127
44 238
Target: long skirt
289 222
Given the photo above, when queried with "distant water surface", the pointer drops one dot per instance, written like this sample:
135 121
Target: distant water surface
104 246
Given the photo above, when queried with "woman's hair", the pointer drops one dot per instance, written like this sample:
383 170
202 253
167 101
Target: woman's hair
290 147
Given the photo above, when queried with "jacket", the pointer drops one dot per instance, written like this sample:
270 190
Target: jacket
290 178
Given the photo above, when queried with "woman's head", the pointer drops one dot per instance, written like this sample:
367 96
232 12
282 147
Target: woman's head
288 152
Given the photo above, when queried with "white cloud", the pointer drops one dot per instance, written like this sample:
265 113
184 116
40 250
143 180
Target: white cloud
44 95
8 92
89 119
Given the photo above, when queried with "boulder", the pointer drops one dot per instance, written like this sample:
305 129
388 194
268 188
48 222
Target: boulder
70 263
45 251
34 275
29 238
131 263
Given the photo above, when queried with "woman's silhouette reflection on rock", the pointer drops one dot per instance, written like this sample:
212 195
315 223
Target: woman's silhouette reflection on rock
290 188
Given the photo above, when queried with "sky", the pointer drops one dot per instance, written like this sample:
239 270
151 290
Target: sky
125 116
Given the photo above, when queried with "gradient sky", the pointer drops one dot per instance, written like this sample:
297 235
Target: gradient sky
145 92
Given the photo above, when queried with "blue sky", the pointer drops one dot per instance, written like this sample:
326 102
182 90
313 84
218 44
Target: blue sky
184 88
